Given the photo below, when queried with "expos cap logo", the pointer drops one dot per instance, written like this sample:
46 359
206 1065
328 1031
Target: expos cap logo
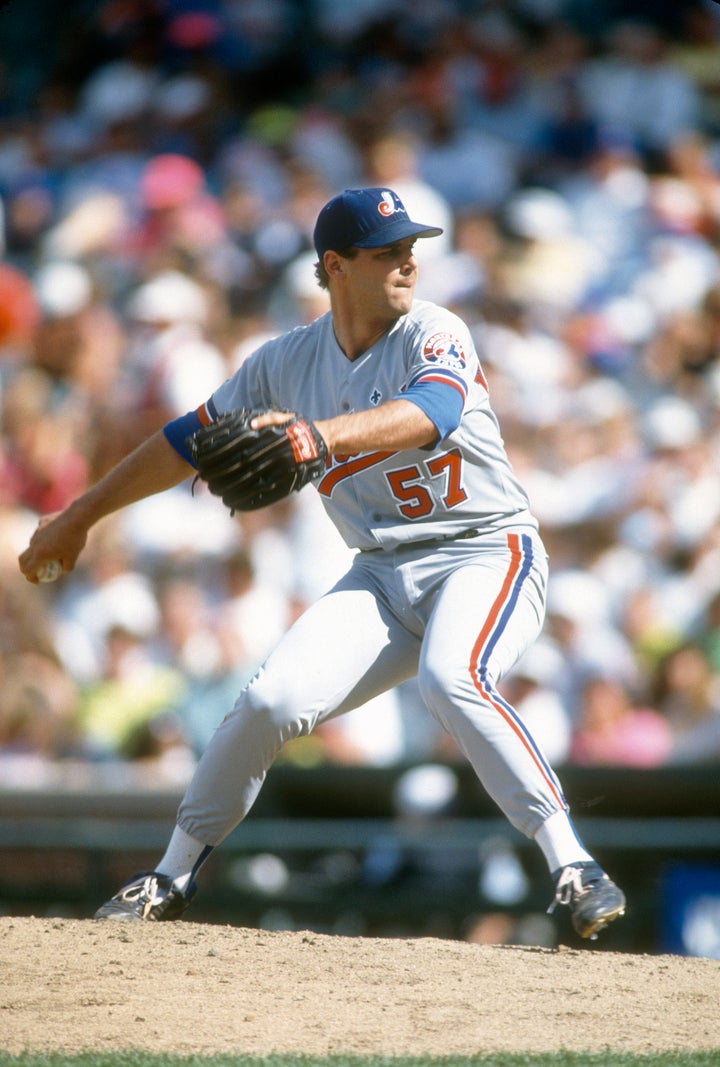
444 349
389 204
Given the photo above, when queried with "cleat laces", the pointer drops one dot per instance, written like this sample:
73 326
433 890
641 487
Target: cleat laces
146 893
569 886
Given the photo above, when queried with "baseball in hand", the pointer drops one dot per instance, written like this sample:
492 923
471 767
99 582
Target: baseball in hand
49 571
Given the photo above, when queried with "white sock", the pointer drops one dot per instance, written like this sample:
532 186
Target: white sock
559 842
181 857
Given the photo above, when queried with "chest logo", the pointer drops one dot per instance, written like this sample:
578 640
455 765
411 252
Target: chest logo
444 350
375 397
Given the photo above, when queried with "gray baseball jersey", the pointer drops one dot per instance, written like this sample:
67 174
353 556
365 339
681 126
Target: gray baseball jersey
386 499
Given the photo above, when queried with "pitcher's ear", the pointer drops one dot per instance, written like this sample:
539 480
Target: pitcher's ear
334 264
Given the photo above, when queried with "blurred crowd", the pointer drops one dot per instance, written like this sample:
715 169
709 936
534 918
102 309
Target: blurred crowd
161 168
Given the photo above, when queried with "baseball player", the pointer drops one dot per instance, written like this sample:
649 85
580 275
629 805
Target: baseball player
448 581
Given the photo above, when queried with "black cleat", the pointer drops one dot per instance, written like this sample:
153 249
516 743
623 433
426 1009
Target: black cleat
594 900
149 897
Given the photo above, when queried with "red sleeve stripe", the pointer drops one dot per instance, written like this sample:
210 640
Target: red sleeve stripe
443 380
436 374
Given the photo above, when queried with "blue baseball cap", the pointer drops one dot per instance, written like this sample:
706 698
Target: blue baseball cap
365 218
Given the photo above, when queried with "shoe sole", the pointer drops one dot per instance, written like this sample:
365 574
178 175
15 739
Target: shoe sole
591 929
118 913
117 916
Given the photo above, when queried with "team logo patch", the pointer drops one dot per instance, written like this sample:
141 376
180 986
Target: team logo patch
445 350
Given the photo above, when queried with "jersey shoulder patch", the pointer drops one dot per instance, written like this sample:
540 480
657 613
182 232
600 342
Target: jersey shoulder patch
443 349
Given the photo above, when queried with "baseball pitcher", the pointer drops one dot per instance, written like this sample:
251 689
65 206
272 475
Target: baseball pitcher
383 406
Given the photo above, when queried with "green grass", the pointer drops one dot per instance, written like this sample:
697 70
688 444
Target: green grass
498 1059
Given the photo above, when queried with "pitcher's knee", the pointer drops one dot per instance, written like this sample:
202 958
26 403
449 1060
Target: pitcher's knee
276 712
434 685
453 697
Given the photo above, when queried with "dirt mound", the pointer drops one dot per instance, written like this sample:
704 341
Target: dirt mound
186 988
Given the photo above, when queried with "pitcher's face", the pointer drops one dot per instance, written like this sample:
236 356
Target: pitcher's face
382 280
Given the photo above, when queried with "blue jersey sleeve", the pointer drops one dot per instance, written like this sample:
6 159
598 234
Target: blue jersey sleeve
178 431
442 405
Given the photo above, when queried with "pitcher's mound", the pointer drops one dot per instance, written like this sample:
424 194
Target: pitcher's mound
185 988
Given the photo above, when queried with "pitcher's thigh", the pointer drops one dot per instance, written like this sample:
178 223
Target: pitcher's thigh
343 650
481 623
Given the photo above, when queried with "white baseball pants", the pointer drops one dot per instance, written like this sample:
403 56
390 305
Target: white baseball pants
458 616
